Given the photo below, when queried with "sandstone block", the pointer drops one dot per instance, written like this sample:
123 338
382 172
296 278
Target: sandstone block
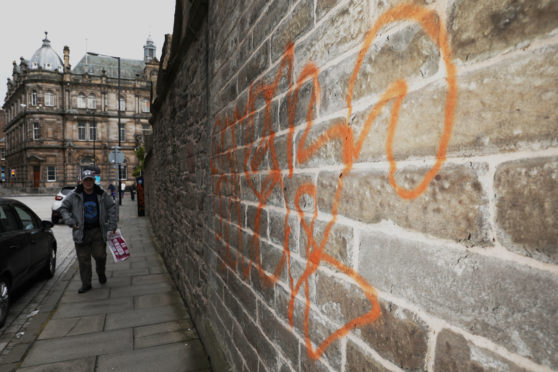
490 27
527 191
485 295
359 360
454 353
452 207
341 31
399 336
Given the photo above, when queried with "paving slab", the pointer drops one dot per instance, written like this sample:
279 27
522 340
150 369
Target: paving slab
73 326
142 289
81 365
164 333
142 317
186 356
149 279
80 309
158 299
74 347
94 294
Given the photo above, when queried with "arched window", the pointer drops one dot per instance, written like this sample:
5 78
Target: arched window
92 101
122 106
81 100
49 98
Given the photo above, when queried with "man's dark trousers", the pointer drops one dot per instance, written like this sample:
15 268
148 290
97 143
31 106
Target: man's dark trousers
93 245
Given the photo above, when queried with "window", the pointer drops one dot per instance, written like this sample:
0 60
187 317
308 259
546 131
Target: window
123 172
34 98
81 100
36 131
51 173
122 106
26 218
122 132
145 105
81 131
93 131
3 155
49 99
92 102
8 222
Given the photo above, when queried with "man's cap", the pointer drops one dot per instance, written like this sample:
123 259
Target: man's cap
88 173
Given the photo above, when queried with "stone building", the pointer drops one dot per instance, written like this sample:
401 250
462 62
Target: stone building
362 185
3 169
61 119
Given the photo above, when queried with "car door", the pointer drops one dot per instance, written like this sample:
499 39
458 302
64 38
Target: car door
14 245
38 242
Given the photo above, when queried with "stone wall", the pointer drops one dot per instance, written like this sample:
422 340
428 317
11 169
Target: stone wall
362 185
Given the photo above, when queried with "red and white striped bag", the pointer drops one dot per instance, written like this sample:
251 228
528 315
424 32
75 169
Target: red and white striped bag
117 246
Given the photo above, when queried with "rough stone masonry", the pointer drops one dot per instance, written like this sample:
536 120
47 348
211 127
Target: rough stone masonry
358 185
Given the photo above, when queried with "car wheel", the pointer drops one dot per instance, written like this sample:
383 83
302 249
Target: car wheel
54 219
4 300
50 266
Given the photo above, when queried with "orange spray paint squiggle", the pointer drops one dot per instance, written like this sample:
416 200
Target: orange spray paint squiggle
225 167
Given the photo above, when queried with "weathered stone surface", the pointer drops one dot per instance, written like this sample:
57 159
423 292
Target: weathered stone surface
257 64
359 360
277 227
256 220
291 186
341 300
408 54
339 244
527 190
490 27
399 336
269 19
454 353
297 23
283 336
341 31
299 105
488 296
453 207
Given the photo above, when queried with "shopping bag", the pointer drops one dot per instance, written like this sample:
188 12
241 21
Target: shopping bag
117 246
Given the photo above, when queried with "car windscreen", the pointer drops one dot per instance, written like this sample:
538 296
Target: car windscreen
66 190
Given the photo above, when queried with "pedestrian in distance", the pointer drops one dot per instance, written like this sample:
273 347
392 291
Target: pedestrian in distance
91 213
122 190
132 192
112 190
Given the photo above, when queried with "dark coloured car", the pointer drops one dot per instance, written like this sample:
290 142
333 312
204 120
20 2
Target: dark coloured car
57 203
27 248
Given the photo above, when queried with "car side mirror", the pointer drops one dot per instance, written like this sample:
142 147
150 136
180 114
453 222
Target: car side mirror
47 225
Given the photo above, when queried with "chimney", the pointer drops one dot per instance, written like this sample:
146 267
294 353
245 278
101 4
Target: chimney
66 57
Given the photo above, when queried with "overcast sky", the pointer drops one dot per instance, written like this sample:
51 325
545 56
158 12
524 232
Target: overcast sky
113 27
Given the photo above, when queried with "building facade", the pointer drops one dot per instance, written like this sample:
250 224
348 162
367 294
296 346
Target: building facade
60 120
3 173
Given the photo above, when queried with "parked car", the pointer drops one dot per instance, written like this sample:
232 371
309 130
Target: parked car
27 248
57 203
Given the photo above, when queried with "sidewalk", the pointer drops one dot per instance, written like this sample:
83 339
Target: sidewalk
135 322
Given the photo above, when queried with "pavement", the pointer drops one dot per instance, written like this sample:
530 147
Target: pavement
137 321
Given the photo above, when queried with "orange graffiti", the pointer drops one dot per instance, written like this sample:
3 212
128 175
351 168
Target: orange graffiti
257 160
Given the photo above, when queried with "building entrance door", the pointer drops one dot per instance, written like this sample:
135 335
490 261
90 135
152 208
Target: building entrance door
36 176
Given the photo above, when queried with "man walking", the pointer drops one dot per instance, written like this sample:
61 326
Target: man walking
91 213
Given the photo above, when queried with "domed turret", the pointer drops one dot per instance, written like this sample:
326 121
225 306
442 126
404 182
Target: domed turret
46 58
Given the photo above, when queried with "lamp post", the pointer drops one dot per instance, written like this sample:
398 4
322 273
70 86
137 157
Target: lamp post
118 108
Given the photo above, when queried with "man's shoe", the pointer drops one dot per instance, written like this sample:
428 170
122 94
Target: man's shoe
102 278
84 288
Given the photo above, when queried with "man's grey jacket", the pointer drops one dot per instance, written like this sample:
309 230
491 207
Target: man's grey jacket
73 213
